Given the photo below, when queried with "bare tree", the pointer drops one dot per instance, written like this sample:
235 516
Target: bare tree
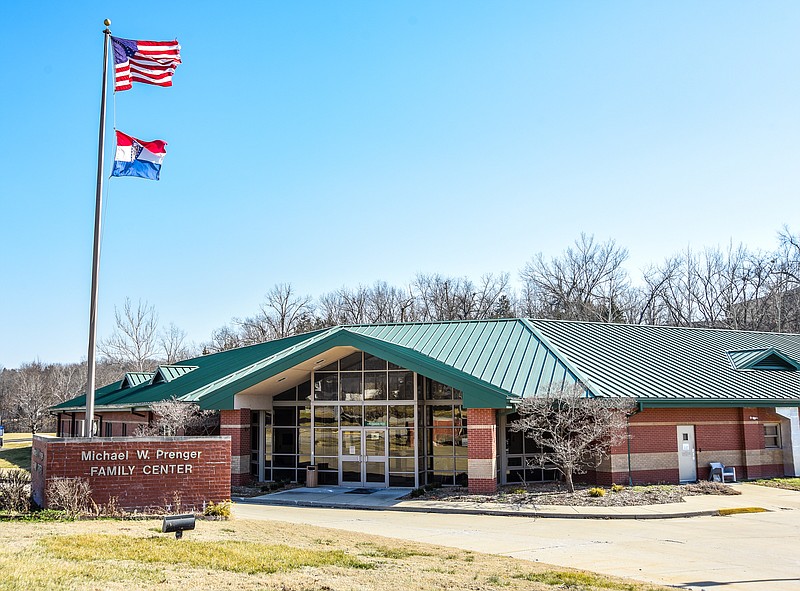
587 282
135 336
282 314
573 431
175 417
457 298
33 395
172 341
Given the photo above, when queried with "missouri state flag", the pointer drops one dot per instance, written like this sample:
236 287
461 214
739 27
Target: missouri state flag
138 158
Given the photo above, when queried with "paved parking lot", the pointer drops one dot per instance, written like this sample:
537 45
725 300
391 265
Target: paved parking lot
752 552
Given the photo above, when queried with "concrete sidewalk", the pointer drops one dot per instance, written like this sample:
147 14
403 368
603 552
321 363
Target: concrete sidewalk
390 499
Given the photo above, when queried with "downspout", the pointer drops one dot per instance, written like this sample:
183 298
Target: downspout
628 438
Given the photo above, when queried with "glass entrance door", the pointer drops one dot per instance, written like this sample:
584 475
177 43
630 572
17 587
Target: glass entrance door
363 457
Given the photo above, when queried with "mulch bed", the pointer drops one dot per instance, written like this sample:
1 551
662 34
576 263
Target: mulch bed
557 494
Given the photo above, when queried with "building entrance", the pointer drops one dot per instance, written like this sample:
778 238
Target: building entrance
363 457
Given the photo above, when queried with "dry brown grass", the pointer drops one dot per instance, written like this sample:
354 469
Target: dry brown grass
32 558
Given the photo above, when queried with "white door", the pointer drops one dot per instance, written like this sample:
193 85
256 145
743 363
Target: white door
687 455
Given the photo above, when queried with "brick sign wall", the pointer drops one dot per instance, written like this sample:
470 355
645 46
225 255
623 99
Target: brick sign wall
141 472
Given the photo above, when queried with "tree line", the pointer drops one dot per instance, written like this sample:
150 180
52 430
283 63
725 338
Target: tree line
733 287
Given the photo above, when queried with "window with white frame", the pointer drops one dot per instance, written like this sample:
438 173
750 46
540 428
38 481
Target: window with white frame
772 435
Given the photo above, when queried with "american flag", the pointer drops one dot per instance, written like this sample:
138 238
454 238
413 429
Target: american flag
149 62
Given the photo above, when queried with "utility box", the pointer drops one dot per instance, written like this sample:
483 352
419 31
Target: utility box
311 476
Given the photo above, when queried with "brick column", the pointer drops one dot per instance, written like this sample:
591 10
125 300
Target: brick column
236 423
482 449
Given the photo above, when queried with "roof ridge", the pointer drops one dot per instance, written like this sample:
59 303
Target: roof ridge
664 326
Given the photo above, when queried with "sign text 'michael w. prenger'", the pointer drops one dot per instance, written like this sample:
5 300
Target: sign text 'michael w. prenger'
139 456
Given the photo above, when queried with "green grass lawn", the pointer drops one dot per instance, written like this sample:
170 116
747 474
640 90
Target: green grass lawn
785 483
246 555
16 451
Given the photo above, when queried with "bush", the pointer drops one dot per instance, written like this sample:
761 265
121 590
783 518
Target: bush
72 495
597 492
617 488
221 510
15 491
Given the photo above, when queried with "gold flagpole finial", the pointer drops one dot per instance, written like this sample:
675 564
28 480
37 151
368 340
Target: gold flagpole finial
107 22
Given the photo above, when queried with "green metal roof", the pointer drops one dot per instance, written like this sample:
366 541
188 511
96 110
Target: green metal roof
488 360
495 361
670 366
762 359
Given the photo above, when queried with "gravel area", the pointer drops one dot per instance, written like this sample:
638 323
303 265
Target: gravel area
557 494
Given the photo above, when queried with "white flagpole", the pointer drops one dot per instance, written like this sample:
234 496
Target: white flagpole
90 383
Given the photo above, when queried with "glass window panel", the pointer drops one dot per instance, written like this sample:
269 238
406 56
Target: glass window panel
372 362
351 443
461 464
325 416
328 478
443 464
285 416
304 391
284 461
375 442
351 471
401 464
351 363
401 385
304 441
437 391
401 415
440 416
376 471
305 416
303 461
327 463
394 366
374 416
441 440
284 475
290 394
351 386
514 461
375 385
351 416
326 442
326 386
457 394
404 480
267 417
460 438
268 441
284 440
401 442
331 367
444 478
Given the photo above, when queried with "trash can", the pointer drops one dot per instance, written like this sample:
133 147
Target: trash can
311 476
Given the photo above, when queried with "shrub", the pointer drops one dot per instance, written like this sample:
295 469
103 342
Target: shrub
617 488
221 510
597 492
15 491
72 495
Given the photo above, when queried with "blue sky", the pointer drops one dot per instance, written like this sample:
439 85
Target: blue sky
337 143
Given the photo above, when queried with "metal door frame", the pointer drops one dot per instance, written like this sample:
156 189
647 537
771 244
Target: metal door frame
692 442
363 458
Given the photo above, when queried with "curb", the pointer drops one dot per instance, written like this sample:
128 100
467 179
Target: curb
465 511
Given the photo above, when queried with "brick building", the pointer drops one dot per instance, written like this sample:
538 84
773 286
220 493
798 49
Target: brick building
413 403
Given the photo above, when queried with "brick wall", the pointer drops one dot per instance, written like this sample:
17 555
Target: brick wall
236 425
733 436
145 472
482 450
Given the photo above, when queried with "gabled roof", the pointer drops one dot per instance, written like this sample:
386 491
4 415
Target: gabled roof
488 360
670 366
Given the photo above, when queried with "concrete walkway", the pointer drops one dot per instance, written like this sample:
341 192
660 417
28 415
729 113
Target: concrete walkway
390 499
